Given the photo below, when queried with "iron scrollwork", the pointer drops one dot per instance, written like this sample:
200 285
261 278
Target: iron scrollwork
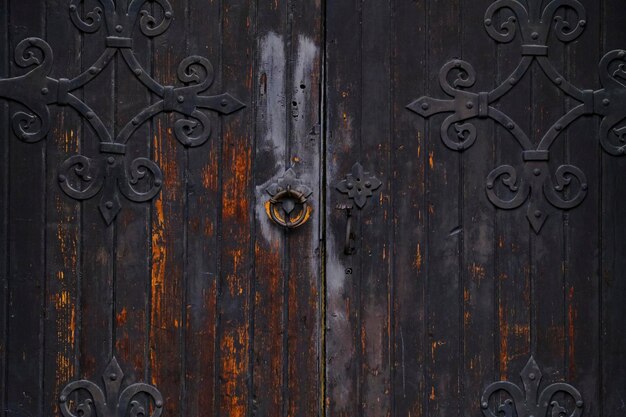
508 187
530 402
35 91
112 402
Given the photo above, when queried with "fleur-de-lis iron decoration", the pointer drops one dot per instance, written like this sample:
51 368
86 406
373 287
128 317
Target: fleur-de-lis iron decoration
506 187
359 185
529 402
111 402
81 177
289 195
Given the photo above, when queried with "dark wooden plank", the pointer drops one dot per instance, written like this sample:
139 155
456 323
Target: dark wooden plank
132 225
547 255
304 279
4 210
62 220
512 256
203 205
269 336
409 209
343 117
26 235
375 224
97 240
583 228
166 337
443 223
613 246
234 305
478 282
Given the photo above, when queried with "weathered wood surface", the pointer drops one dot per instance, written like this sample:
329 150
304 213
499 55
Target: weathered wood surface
445 293
197 292
201 295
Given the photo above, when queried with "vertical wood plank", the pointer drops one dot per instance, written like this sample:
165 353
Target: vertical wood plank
203 205
271 77
304 280
62 220
583 227
547 255
238 31
409 208
168 228
512 252
478 280
132 252
375 225
97 240
443 221
343 273
5 57
613 246
26 235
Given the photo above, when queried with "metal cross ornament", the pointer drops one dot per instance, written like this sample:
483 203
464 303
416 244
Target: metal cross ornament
82 177
536 184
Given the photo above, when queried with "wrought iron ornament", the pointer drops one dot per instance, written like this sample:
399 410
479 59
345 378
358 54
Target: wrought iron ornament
110 402
529 402
81 177
288 204
359 185
506 187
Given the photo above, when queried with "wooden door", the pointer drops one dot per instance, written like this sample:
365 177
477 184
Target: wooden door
312 208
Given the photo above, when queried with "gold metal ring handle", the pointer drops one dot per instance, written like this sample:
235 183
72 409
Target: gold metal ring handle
286 218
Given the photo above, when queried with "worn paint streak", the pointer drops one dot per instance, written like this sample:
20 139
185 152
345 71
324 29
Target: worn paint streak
159 258
477 272
417 263
122 316
165 279
209 175
467 299
234 367
504 336
235 197
572 316
272 66
65 334
268 332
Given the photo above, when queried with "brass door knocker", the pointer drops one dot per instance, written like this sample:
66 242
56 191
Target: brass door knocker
288 205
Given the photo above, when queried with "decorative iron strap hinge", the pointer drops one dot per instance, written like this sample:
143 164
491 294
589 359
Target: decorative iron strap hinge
530 402
81 177
136 400
507 186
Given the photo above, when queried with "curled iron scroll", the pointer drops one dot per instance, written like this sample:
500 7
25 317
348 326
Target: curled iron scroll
530 401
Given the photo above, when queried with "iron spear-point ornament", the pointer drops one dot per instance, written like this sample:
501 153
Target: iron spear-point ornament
84 398
556 400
